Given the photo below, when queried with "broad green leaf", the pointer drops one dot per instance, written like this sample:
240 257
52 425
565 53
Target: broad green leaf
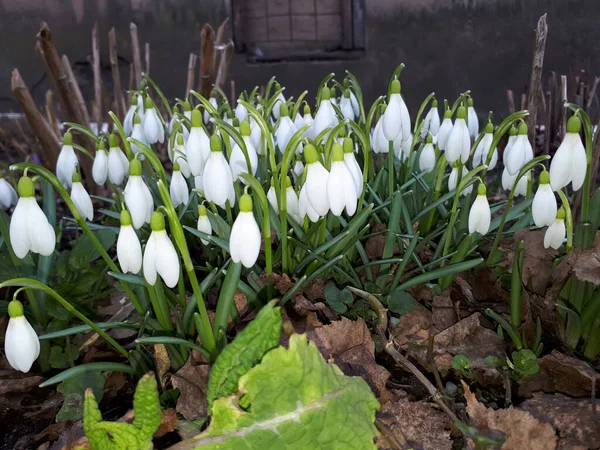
247 349
333 296
401 302
61 359
295 401
74 390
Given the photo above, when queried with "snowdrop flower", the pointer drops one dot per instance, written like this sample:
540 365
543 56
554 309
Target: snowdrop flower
218 181
153 128
353 99
352 165
203 222
128 120
237 160
240 111
379 142
396 97
520 152
480 215
291 200
8 195
213 101
431 123
346 105
459 142
298 169
483 149
325 116
427 157
100 166
180 156
66 162
305 208
316 181
160 257
557 232
118 164
21 343
297 120
341 190
445 130
245 240
544 207
272 197
453 180
81 198
137 196
129 249
392 117
138 134
511 140
308 120
280 101
508 182
285 130
473 120
255 135
197 147
569 164
29 227
178 189
402 148
174 119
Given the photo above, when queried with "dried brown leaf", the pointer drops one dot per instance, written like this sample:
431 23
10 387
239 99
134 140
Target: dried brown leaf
522 431
192 382
168 422
444 313
537 261
413 326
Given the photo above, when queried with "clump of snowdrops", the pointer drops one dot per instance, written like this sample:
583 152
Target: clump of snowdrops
206 193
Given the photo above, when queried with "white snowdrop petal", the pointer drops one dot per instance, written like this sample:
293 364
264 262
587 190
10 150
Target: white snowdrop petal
66 164
19 237
42 238
129 250
335 188
136 199
316 182
459 136
480 216
578 165
204 226
82 201
544 206
218 181
392 120
178 189
21 344
291 199
8 195
555 234
473 122
167 261
427 158
272 198
116 166
149 260
305 207
444 134
354 168
245 239
100 167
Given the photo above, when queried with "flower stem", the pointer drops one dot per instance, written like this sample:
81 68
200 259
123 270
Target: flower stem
568 219
390 161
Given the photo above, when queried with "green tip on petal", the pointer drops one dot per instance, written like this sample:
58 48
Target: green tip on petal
448 114
346 83
310 154
306 109
544 177
148 103
434 104
396 86
25 187
15 309
346 93
348 145
76 177
176 167
179 139
284 110
215 143
523 128
325 94
68 139
342 132
134 100
136 119
245 203
461 113
101 145
573 125
157 222
113 140
202 210
187 106
429 139
245 128
489 128
481 189
196 118
337 153
135 168
470 102
560 214
288 182
126 218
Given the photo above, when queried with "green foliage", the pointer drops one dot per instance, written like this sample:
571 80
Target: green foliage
74 389
260 336
338 300
62 358
120 435
462 364
524 363
400 301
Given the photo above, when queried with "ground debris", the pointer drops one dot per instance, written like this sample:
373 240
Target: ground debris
192 382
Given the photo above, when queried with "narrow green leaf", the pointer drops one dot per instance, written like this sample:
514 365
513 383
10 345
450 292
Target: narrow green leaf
89 367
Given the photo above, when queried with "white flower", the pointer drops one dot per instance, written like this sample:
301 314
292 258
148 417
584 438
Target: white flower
21 343
557 232
291 200
325 116
316 181
255 135
178 189
240 112
29 227
427 157
137 133
508 182
305 208
480 216
197 147
118 164
153 128
392 117
341 190
100 166
160 256
8 195
245 240
569 164
298 121
511 140
379 143
66 162
453 181
129 249
352 165
280 101
483 149
402 148
431 123
217 178
544 207
81 198
459 142
180 156
203 222
520 152
213 101
285 130
128 120
298 169
346 105
445 130
473 120
138 197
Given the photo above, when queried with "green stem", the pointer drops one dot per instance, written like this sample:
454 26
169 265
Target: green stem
516 286
390 161
159 307
568 219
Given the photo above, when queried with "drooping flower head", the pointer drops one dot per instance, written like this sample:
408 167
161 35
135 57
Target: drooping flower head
118 164
482 152
431 123
341 190
160 256
459 141
81 198
8 195
237 160
569 164
521 151
138 197
316 182
285 130
353 166
129 249
217 178
480 216
544 207
21 343
197 147
100 166
427 157
178 190
153 128
67 161
245 240
557 232
445 130
472 119
392 118
203 222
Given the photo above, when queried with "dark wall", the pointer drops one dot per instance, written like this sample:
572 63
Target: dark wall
447 45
